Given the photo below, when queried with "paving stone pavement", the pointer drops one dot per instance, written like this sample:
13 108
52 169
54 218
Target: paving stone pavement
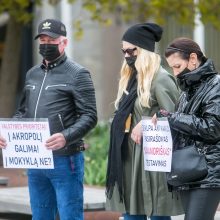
95 216
181 217
17 178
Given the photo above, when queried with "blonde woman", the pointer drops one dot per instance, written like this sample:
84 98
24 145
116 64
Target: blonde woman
144 89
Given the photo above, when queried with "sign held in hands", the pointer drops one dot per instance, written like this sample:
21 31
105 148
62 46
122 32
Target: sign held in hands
26 144
157 145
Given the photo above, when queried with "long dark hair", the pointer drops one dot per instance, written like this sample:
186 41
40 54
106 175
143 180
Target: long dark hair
184 46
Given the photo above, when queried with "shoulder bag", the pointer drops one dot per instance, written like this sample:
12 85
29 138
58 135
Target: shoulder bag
188 166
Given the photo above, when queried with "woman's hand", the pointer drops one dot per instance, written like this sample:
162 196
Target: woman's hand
154 119
136 134
159 114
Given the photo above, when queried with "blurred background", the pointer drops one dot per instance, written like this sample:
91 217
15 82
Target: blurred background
94 29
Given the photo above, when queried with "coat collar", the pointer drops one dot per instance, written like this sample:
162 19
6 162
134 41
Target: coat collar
55 63
195 77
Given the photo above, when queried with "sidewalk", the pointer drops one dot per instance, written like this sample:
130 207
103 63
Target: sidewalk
181 217
18 178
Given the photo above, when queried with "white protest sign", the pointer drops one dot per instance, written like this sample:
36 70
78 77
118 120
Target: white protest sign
26 144
157 145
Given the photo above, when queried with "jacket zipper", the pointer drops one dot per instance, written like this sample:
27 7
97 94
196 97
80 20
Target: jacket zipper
38 98
47 87
30 86
61 121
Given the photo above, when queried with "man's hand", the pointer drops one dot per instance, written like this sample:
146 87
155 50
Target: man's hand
3 143
56 141
136 134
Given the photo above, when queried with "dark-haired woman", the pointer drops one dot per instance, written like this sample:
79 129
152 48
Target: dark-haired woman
197 122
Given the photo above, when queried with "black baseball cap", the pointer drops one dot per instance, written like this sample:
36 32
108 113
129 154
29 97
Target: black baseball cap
51 27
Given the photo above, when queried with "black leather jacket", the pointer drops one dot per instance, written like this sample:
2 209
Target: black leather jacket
197 120
64 93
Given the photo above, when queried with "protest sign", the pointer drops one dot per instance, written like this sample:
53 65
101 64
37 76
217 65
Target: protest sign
157 145
26 144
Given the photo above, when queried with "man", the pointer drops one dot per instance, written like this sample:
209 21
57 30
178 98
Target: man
62 91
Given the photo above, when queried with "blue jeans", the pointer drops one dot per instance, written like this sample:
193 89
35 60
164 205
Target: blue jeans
144 217
59 189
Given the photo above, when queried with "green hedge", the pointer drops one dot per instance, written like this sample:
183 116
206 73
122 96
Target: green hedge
96 155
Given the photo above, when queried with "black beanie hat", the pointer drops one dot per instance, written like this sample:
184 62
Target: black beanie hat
143 35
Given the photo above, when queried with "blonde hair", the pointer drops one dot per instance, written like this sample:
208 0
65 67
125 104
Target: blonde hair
147 64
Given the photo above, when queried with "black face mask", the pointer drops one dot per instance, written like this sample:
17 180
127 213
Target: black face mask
186 70
131 61
49 52
181 81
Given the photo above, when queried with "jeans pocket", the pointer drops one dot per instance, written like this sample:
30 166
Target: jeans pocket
77 163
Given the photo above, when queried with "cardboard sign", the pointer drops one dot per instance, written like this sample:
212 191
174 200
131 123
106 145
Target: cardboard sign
157 145
26 144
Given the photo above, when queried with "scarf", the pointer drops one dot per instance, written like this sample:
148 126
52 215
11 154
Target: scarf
119 139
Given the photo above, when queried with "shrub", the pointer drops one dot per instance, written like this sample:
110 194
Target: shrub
96 155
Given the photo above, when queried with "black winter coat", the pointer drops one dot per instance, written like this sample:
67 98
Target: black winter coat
197 120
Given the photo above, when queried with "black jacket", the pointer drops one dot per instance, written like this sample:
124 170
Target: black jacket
64 93
197 120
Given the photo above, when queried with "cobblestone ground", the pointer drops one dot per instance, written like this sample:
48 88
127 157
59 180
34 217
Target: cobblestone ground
18 177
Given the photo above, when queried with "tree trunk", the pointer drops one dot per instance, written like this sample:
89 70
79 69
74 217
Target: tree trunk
10 68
